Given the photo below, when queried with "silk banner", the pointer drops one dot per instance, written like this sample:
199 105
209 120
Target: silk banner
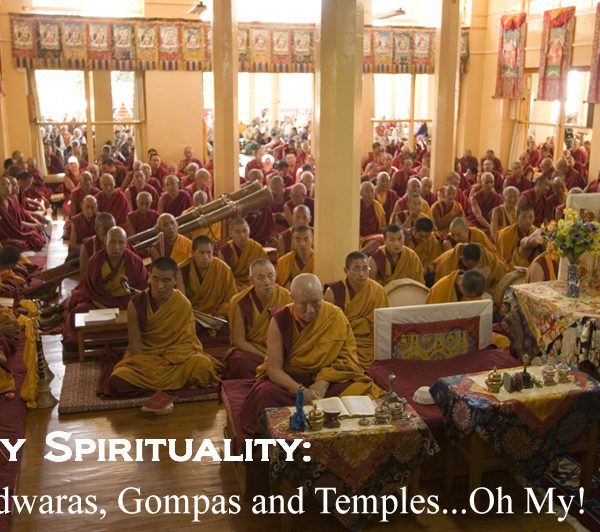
511 57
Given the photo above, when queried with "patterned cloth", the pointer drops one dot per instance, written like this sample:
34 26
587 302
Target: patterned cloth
530 430
537 316
356 460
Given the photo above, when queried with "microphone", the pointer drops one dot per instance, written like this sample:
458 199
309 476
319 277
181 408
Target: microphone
130 290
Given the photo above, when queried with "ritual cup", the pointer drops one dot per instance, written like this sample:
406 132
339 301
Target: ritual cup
332 419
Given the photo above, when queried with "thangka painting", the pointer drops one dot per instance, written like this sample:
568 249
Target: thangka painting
594 91
510 82
556 53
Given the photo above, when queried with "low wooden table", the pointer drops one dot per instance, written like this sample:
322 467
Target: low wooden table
115 334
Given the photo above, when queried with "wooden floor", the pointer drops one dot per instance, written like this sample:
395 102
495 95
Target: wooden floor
198 421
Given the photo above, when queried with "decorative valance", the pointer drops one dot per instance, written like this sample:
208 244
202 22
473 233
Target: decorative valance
594 91
511 57
69 42
556 53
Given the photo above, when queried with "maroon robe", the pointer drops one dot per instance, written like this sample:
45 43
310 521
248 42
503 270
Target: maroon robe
38 190
117 205
486 204
286 239
85 228
262 226
177 205
77 195
193 188
400 180
369 225
390 201
574 179
468 162
309 202
534 157
523 184
12 230
141 223
540 207
431 198
133 192
497 164
253 165
159 174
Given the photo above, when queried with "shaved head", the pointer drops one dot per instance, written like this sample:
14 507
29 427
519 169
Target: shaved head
306 283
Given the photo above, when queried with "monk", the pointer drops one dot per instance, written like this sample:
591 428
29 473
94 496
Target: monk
33 208
555 202
90 246
358 296
300 216
482 202
189 172
112 200
425 191
401 177
298 196
163 351
143 217
467 161
240 251
282 169
86 187
310 346
457 286
280 197
372 218
460 232
249 316
214 231
117 170
201 181
413 188
71 180
426 245
520 243
414 211
139 184
394 260
257 162
83 225
446 209
173 201
505 214
536 199
188 158
517 178
299 260
176 246
543 268
307 178
158 171
572 177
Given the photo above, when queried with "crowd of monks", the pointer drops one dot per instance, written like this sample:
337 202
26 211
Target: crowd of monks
247 304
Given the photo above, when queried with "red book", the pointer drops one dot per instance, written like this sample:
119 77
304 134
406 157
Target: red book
158 402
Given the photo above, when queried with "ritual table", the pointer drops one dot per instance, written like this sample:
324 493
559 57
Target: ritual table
355 459
540 319
92 338
526 429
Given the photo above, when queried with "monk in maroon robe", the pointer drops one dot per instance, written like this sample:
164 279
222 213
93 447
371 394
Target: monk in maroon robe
281 196
174 200
256 163
201 182
482 203
158 170
536 198
139 184
401 177
467 161
83 225
298 196
517 178
188 158
384 194
86 188
534 154
117 170
144 217
489 154
112 200
262 226
572 177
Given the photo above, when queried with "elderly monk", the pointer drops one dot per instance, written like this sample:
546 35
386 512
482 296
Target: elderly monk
189 172
358 296
280 197
413 188
299 260
547 167
572 177
446 209
249 316
384 194
176 246
307 178
143 217
517 178
201 181
505 214
413 212
536 198
112 200
16 226
520 243
372 218
457 286
240 250
425 191
300 216
394 260
83 225
298 196
426 245
86 188
139 184
173 201
460 232
90 246
309 343
468 256
188 158
163 351
34 209
483 201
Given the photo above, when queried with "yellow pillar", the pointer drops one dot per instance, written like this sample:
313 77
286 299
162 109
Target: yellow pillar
595 148
367 112
225 71
337 119
446 90
103 107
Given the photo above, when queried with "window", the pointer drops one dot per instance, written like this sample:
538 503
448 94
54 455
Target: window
123 95
392 95
93 8
61 95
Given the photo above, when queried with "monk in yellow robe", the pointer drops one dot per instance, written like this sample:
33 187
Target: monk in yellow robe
372 218
240 251
460 232
310 346
394 260
426 245
174 246
164 352
520 242
469 256
299 260
209 285
300 216
214 231
358 297
446 209
249 316
463 286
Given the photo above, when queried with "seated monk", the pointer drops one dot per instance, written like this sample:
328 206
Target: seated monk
143 217
280 198
16 227
249 316
536 198
556 201
384 194
102 285
208 283
372 218
426 245
461 233
300 216
138 184
174 200
358 297
164 352
446 209
214 231
482 202
309 344
34 208
173 245
407 218
518 178
412 189
90 246
83 226
505 214
543 268
14 277
298 196
112 200
188 158
85 188
394 260
263 228
468 256
299 260
521 242
240 251
201 182
425 191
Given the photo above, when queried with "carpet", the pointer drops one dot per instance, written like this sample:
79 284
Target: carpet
80 384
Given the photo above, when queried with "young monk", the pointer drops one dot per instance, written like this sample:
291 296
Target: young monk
299 260
446 209
300 216
173 201
176 246
521 242
426 245
482 203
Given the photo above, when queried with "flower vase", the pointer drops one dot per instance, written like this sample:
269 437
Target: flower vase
573 281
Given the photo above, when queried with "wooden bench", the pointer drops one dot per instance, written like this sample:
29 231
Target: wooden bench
92 338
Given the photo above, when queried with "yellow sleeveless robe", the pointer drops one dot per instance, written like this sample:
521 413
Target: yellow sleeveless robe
212 294
288 268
